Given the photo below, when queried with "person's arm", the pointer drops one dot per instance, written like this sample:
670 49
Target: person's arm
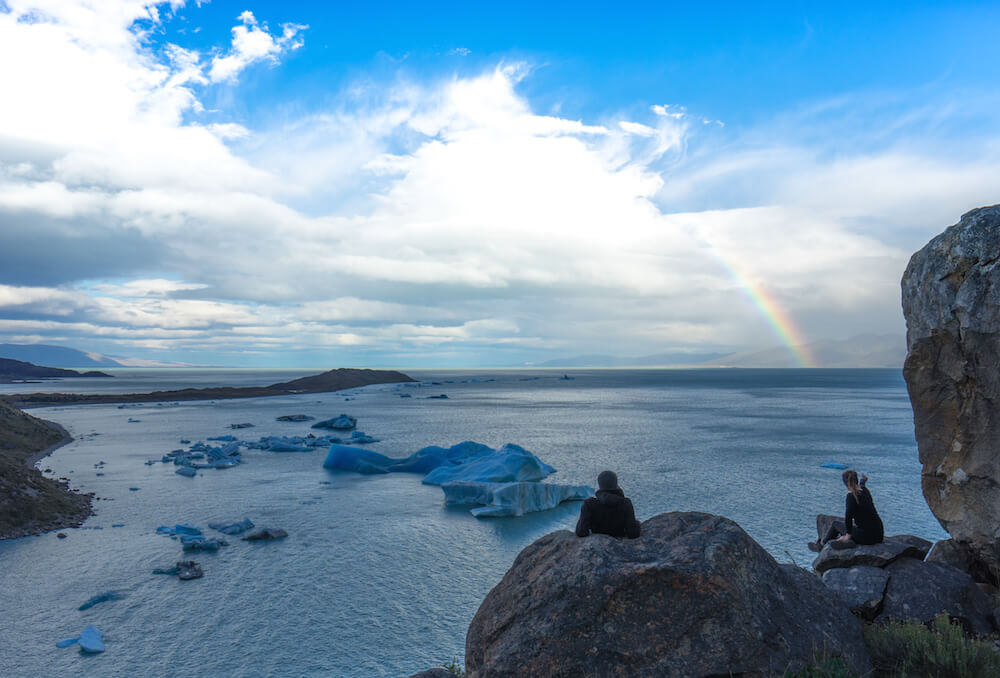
583 524
631 524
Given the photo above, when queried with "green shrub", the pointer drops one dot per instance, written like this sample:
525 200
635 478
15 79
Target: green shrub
943 651
454 667
825 667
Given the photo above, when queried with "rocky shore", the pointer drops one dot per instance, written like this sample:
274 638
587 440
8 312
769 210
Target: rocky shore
29 502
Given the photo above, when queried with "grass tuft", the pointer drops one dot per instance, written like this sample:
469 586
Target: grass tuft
942 651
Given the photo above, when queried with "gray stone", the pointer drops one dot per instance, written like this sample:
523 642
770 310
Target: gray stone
951 301
860 587
956 554
877 555
693 596
920 591
922 545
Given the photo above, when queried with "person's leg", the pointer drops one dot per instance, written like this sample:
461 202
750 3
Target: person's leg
837 528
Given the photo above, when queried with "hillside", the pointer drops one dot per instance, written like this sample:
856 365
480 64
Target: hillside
29 502
16 370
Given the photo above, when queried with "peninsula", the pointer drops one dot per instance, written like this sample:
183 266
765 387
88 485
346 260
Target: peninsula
333 380
16 370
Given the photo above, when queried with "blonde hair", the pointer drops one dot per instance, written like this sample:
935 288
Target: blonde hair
851 480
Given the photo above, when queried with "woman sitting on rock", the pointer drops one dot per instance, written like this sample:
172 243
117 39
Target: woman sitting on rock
861 525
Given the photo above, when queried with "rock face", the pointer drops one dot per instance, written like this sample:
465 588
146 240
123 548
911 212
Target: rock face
694 596
951 301
861 587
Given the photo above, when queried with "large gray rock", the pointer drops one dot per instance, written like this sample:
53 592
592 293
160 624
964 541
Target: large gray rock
956 554
920 591
876 555
434 673
693 596
951 301
861 588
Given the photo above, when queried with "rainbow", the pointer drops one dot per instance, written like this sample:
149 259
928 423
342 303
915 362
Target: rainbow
776 317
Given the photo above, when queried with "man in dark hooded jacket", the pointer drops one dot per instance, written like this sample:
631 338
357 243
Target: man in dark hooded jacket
610 512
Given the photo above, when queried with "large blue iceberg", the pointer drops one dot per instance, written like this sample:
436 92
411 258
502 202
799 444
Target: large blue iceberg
512 499
504 482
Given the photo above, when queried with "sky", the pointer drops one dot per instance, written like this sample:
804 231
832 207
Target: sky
454 184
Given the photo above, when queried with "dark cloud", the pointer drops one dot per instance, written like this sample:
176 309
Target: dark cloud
40 250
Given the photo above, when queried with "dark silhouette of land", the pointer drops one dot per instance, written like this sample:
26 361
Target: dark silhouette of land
334 380
16 370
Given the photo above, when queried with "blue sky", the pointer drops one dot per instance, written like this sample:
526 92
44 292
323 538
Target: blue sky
411 184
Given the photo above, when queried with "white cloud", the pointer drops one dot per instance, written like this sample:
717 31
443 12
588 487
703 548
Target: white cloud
253 42
412 215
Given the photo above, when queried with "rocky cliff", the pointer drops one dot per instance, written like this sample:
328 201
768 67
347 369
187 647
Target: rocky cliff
951 301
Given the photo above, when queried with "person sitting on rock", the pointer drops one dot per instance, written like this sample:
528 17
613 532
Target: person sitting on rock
861 525
610 512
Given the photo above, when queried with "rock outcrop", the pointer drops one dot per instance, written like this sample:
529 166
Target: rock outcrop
951 301
694 596
876 555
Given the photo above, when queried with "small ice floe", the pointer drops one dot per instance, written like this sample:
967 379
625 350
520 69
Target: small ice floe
362 438
443 396
134 421
833 464
343 422
90 640
199 543
105 597
266 534
225 438
295 417
184 569
246 425
185 442
233 528
187 471
117 524
179 529
136 489
405 395
99 474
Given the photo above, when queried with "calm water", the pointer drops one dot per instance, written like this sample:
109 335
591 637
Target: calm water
378 577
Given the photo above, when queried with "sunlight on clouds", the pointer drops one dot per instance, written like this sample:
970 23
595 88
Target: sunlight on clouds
253 42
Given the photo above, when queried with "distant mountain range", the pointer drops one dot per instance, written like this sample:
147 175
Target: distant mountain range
61 356
865 350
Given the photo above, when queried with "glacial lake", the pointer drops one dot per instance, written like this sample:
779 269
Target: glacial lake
378 577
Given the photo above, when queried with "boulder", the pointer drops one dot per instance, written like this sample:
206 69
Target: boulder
860 587
694 596
956 554
876 555
920 591
951 302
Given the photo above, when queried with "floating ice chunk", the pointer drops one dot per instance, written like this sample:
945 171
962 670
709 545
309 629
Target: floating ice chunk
511 463
429 458
833 464
67 642
226 438
90 639
512 499
100 598
283 444
198 543
344 458
266 534
188 471
362 438
342 423
179 528
233 528
296 417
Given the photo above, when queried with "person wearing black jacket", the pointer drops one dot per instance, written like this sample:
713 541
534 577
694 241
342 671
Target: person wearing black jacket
610 512
862 523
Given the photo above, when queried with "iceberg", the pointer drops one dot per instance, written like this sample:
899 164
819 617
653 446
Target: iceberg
344 458
512 499
342 423
833 464
90 639
233 528
199 543
100 598
511 463
179 528
188 471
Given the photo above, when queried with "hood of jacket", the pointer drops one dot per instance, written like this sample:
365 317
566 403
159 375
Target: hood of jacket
610 497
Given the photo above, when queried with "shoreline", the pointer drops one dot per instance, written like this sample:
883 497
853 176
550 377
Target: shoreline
41 454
